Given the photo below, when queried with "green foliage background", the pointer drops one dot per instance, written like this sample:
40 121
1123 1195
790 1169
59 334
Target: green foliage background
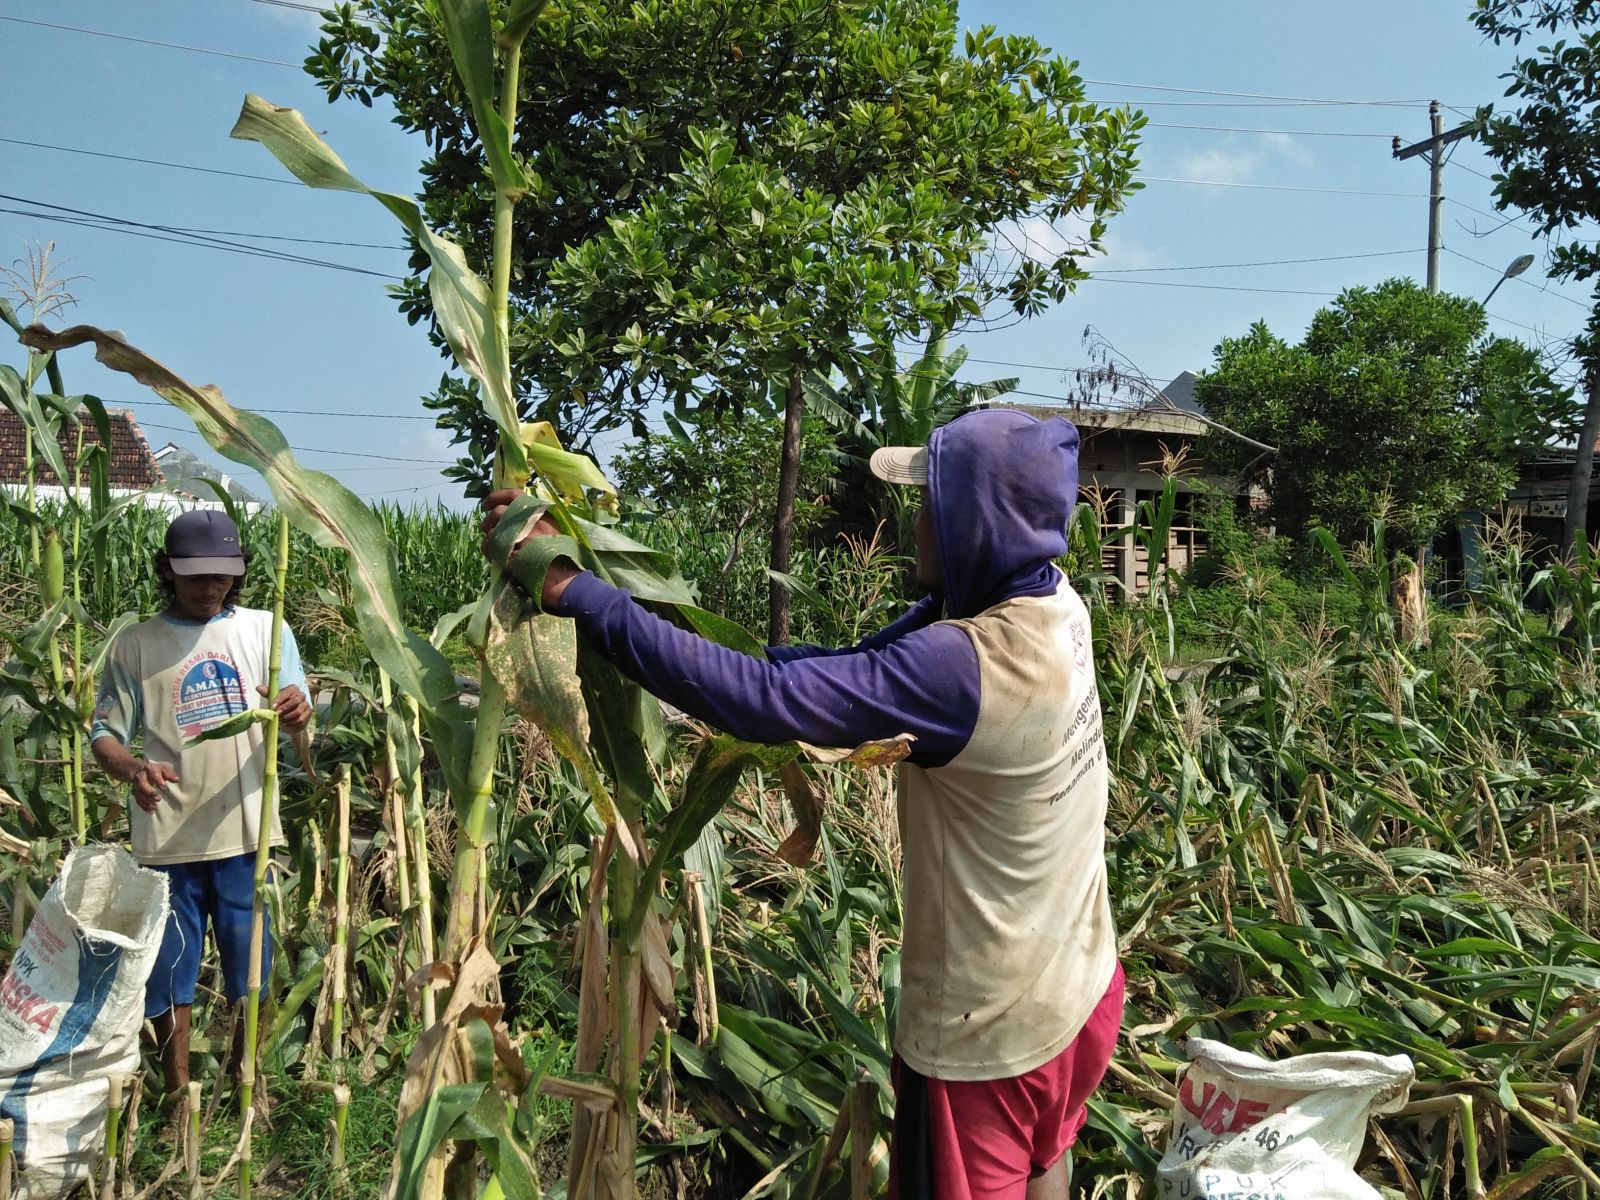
1395 404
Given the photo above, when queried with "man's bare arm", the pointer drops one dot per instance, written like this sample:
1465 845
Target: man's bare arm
149 779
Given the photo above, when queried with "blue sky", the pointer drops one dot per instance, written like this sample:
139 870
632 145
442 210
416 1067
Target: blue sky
287 336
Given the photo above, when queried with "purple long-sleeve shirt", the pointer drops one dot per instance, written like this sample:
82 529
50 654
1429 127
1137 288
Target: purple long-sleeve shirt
914 676
1001 489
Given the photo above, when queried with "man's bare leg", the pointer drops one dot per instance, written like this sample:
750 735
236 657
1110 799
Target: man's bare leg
172 1043
1054 1184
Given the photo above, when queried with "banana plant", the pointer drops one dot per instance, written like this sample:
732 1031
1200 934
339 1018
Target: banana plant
890 406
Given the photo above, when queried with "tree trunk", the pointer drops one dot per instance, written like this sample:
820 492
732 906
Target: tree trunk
1577 518
783 519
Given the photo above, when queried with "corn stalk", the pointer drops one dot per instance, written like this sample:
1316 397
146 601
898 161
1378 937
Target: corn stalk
530 661
269 791
416 828
340 960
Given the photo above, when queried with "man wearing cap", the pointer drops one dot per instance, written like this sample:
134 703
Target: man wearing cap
1011 992
197 808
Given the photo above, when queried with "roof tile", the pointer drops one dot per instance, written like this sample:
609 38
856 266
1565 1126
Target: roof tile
132 465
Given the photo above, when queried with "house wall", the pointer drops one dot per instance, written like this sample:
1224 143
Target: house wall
1120 468
165 501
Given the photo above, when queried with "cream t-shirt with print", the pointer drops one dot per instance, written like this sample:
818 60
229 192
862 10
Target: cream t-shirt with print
171 679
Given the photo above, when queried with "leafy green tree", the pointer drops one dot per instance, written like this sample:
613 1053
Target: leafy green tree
709 484
726 197
1548 150
1395 401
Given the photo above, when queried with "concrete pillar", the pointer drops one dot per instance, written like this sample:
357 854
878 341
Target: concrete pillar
1125 512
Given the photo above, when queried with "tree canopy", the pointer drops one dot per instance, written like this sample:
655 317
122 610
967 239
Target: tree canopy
1395 401
722 193
1548 150
1548 144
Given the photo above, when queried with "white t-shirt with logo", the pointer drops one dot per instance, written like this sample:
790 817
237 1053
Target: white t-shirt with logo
172 679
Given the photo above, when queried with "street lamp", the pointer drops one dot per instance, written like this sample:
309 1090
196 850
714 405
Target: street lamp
1517 266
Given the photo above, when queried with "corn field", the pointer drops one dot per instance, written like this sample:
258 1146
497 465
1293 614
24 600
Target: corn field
1327 839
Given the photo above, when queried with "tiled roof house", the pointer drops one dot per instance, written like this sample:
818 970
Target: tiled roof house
133 466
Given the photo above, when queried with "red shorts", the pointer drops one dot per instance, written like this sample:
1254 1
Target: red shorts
984 1139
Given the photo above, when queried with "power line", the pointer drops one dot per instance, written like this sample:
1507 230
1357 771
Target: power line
435 462
1469 170
1274 262
153 162
1143 103
390 491
315 412
310 8
1210 287
123 37
202 244
1503 218
1157 87
1280 187
278 237
166 233
1280 132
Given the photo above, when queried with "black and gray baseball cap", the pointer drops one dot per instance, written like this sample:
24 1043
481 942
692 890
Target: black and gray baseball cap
204 542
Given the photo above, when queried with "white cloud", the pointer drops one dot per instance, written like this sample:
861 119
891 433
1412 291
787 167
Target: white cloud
1045 242
1288 149
296 18
1220 166
1235 163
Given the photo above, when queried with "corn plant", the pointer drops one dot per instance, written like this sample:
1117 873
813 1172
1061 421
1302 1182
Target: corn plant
56 688
599 722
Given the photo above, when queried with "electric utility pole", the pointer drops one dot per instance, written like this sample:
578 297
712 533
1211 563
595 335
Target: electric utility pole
1433 147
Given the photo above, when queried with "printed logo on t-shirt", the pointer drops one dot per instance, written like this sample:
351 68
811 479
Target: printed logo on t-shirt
1080 643
207 693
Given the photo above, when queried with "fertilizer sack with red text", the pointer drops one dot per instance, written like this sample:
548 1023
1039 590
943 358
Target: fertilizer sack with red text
1244 1126
71 1005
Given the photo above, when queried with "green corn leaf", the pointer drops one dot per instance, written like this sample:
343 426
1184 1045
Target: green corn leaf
40 423
722 631
233 726
520 18
534 656
468 31
618 713
321 506
716 771
460 297
488 1123
425 1129
529 564
569 472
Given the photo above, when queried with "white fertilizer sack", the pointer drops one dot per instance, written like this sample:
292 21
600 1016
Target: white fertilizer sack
1247 1128
71 1005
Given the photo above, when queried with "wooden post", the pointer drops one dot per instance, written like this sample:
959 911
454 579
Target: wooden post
863 1102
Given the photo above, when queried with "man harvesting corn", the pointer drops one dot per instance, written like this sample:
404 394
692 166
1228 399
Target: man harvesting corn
1011 993
197 808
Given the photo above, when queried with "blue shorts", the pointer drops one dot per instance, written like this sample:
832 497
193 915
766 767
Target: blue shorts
222 891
